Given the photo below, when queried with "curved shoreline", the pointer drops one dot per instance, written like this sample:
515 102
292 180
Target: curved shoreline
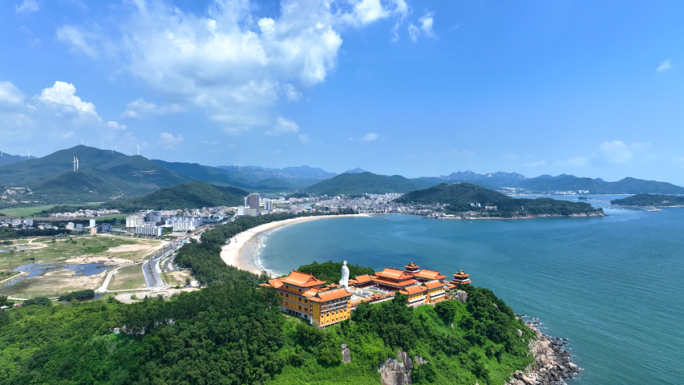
239 252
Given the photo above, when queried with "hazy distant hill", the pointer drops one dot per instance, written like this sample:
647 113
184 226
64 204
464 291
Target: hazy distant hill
191 195
365 182
105 174
599 186
296 177
200 172
6 159
644 200
459 197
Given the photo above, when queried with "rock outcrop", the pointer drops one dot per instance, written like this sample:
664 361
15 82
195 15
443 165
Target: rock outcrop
398 372
461 296
552 363
346 354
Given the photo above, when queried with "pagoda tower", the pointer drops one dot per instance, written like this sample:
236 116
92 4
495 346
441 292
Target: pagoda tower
411 268
461 278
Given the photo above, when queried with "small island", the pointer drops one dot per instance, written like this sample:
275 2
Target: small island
650 200
465 200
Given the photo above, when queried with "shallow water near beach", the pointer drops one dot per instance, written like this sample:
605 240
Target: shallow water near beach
612 286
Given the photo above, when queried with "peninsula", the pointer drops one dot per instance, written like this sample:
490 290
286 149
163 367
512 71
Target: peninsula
650 200
465 200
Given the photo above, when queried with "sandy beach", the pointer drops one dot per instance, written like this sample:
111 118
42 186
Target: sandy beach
240 251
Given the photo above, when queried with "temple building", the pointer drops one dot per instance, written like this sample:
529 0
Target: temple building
305 296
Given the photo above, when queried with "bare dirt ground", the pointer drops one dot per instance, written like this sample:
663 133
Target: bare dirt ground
166 294
107 261
53 284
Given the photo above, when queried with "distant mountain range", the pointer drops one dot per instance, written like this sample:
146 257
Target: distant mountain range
6 159
365 182
105 175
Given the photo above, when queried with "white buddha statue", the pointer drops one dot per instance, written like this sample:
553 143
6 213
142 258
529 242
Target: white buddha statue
345 276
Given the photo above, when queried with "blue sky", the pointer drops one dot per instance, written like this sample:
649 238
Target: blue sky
392 86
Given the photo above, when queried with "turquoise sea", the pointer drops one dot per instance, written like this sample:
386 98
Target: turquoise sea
613 286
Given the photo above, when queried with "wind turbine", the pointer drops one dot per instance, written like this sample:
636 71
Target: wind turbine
138 149
28 157
74 164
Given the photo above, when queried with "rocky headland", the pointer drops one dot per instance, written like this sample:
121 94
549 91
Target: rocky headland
552 364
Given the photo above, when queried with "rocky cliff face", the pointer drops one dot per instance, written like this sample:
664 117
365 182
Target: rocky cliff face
398 372
552 363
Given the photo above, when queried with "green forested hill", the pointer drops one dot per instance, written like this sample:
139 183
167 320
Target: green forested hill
459 197
650 200
105 174
364 182
599 186
189 195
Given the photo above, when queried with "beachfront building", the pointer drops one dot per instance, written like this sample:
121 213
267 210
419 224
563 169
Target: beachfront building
305 296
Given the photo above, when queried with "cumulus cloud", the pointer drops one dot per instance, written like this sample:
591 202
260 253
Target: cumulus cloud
619 152
424 27
227 60
283 126
64 95
115 125
139 108
369 137
536 164
10 94
169 141
27 6
426 22
666 65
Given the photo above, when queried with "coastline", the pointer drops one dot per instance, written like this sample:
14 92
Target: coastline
461 218
242 247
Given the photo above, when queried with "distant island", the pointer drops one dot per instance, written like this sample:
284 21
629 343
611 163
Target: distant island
471 201
650 200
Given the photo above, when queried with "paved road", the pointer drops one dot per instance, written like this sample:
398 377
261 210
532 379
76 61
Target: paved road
169 265
110 274
151 266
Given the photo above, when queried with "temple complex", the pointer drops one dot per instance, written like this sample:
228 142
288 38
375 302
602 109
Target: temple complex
305 296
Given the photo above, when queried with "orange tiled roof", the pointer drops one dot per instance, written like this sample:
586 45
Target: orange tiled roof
392 273
276 283
433 284
461 274
415 289
329 295
302 279
408 282
411 265
429 274
363 278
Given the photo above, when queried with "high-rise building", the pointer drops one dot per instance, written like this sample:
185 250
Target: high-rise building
92 223
252 201
268 204
134 220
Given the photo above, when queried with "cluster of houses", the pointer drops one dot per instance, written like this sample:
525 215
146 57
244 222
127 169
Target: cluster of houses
305 296
85 213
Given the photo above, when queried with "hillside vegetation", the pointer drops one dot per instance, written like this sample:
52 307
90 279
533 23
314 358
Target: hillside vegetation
102 175
189 195
459 197
644 200
364 182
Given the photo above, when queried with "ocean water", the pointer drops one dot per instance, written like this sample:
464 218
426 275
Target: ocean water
614 286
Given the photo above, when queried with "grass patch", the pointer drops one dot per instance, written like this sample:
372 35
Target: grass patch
19 212
129 277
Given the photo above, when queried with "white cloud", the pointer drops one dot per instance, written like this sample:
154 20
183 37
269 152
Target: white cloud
666 65
426 23
619 152
169 141
10 94
227 60
369 137
283 126
116 125
139 108
77 39
579 161
64 94
536 164
27 6
424 27
304 138
413 31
